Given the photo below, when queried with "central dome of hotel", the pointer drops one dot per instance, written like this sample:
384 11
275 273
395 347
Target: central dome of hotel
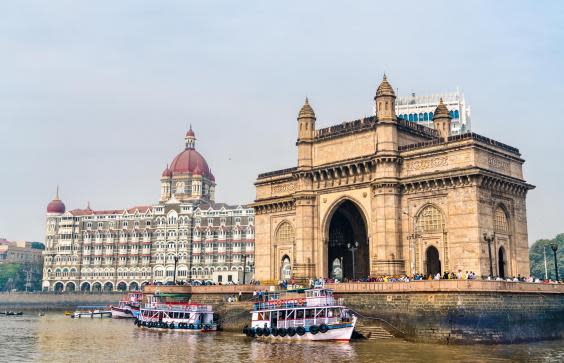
189 161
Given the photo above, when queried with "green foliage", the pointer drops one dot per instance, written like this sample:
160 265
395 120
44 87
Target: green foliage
536 257
8 274
14 276
38 245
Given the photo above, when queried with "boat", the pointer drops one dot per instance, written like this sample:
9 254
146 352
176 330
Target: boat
129 307
162 314
91 312
288 315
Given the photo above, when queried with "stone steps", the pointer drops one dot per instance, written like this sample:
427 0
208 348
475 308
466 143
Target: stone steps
373 332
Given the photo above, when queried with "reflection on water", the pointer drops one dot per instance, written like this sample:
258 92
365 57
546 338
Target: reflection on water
57 338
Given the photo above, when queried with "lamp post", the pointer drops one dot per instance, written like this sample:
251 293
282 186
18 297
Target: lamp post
175 263
545 268
554 247
244 267
352 248
489 238
412 238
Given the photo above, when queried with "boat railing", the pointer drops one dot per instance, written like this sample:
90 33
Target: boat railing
188 308
298 303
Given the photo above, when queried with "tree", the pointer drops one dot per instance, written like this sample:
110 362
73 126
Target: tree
536 257
37 245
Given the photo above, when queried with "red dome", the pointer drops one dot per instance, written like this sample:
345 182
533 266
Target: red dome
167 173
56 206
189 161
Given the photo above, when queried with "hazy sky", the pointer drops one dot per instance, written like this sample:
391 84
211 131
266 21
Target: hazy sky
97 96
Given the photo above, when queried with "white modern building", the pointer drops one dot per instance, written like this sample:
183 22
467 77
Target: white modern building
420 109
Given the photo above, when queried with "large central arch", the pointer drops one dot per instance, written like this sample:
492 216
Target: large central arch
347 225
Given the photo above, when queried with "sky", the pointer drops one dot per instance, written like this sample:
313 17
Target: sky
96 96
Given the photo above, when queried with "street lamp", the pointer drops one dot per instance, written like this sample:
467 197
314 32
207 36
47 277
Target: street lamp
244 267
352 248
489 238
554 247
412 238
175 262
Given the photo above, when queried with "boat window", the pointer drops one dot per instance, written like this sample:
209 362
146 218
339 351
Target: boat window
309 313
299 314
321 313
282 315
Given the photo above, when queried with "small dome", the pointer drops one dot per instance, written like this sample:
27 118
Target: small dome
56 205
385 89
306 111
441 111
167 173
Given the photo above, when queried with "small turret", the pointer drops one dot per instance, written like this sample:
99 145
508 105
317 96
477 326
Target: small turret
442 120
385 100
190 139
306 122
306 134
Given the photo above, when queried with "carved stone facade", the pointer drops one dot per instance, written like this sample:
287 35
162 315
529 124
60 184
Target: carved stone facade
383 195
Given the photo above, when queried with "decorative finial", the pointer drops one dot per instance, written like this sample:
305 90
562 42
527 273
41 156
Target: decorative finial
385 79
88 205
57 195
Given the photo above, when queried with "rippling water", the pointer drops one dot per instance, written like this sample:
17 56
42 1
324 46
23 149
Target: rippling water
58 338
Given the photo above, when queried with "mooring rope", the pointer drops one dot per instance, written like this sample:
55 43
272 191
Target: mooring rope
378 319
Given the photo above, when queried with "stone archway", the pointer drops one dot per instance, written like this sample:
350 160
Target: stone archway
70 287
96 287
108 287
501 264
347 226
134 286
122 286
85 287
432 261
58 287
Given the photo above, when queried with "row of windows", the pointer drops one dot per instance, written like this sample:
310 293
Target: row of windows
426 116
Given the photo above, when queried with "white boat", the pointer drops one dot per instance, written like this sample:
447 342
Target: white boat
91 312
289 315
128 308
160 314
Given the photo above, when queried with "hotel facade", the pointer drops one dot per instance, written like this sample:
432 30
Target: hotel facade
186 236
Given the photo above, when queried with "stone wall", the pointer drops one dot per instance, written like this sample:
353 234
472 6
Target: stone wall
461 312
23 301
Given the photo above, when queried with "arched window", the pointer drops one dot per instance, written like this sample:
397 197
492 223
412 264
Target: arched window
410 117
285 234
414 117
500 221
421 117
430 115
451 114
426 116
456 114
430 220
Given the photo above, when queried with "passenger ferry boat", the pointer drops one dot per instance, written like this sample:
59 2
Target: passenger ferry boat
180 316
286 315
128 308
91 312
